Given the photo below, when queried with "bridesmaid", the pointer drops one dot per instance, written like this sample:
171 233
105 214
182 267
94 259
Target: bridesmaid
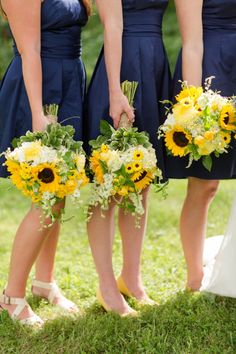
134 51
53 30
208 29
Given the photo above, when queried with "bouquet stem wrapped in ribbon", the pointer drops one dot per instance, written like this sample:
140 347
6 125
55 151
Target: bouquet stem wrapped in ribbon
48 166
123 163
200 124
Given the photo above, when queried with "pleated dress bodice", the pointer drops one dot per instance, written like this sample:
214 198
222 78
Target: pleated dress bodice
144 60
62 69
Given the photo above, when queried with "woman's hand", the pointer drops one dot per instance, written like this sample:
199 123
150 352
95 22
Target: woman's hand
40 123
118 105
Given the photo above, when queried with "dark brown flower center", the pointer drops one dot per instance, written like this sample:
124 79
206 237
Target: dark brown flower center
226 118
142 176
180 139
46 175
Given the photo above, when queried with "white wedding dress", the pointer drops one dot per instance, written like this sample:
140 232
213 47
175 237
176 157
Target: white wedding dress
220 261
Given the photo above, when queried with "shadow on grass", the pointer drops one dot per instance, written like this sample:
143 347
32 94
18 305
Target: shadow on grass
185 323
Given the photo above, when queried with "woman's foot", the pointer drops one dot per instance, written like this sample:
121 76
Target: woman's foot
52 293
112 301
19 310
194 283
134 289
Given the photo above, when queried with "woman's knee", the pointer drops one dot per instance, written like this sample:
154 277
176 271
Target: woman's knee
203 189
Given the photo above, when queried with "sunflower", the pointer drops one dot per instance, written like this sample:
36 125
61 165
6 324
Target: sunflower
47 176
138 155
12 166
96 167
228 117
177 140
17 180
143 179
189 92
25 171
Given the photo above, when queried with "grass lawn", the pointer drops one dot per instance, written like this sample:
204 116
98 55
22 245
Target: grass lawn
182 323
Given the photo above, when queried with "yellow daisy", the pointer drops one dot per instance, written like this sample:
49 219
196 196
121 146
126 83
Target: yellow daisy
137 166
129 168
226 137
138 155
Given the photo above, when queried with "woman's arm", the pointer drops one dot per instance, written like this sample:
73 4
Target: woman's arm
112 18
24 17
189 13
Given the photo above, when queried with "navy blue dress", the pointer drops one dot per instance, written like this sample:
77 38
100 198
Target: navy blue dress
219 23
144 60
63 73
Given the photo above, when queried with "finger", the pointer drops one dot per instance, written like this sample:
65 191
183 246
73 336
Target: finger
130 114
116 120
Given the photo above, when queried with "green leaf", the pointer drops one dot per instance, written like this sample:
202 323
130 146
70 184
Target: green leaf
105 128
207 162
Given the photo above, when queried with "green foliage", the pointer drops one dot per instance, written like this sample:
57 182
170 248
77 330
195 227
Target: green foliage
184 323
54 136
120 139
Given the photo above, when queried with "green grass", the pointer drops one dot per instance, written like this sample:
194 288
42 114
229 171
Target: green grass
183 323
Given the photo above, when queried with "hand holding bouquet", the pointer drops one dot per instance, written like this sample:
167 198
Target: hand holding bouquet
199 124
47 166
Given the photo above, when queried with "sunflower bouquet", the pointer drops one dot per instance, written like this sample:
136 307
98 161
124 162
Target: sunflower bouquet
47 166
123 163
199 124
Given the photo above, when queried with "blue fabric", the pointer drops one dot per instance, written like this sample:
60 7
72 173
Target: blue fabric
63 73
219 23
144 60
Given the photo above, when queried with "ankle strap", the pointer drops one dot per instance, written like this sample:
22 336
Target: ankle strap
7 300
43 285
19 302
54 290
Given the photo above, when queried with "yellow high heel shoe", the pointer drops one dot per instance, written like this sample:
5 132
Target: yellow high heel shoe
131 313
125 291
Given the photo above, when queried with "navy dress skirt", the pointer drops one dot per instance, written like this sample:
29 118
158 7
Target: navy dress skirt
219 23
144 60
63 74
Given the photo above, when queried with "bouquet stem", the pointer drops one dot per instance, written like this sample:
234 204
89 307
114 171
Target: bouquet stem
129 90
51 111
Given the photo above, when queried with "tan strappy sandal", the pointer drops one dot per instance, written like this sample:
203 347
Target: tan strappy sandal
54 292
20 303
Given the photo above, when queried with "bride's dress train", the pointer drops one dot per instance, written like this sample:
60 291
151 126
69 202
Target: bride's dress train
220 261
